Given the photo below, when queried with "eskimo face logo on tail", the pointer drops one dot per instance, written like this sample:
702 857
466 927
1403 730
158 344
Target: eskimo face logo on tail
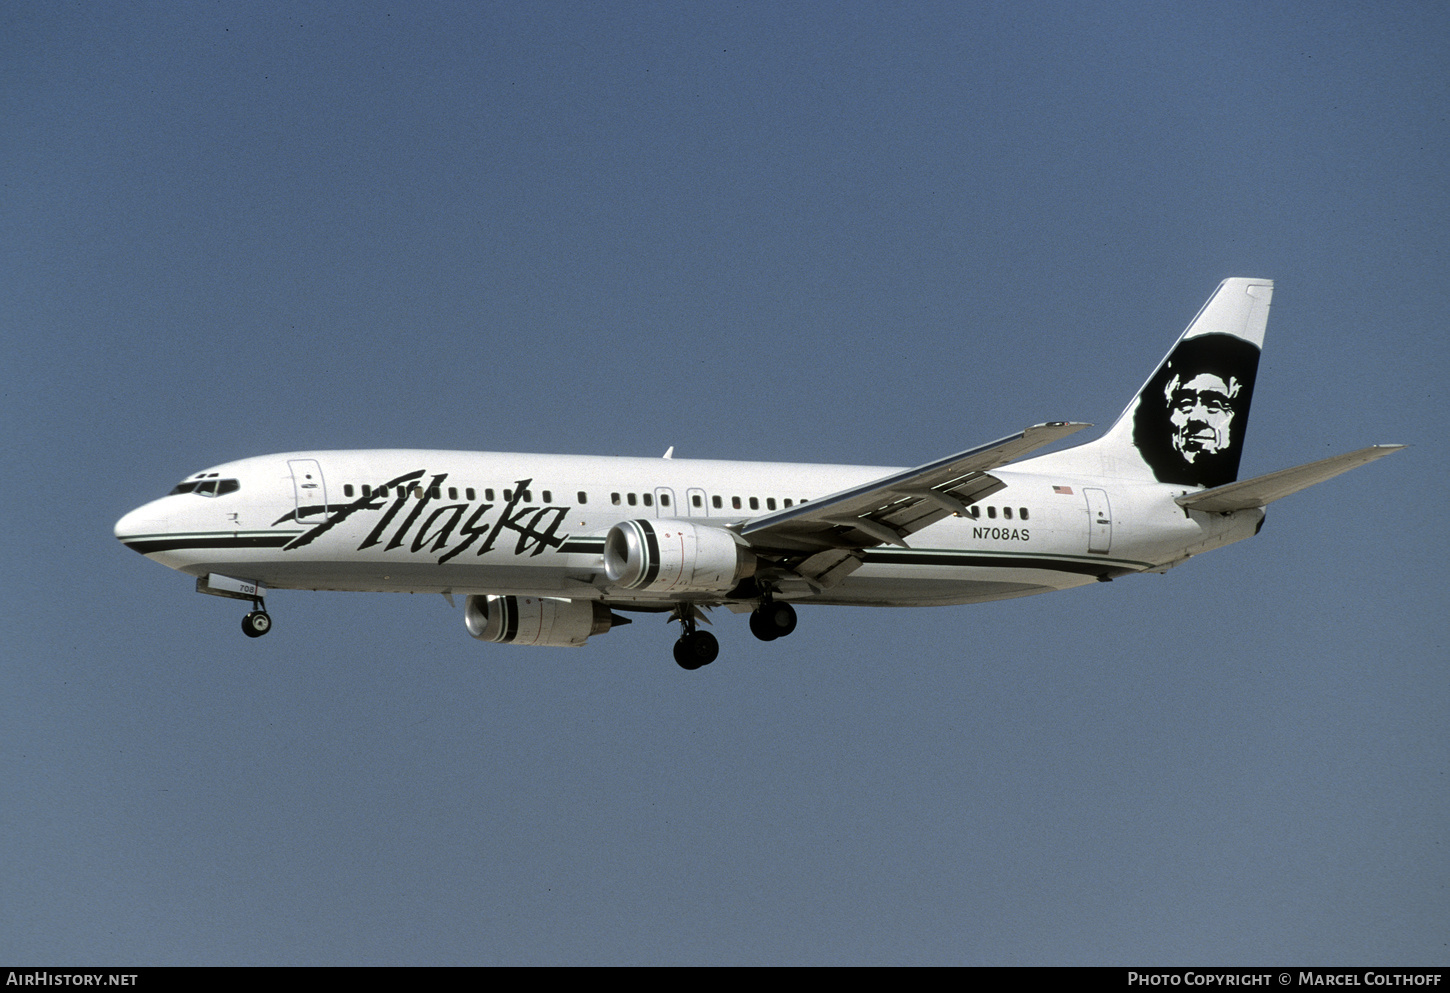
1190 421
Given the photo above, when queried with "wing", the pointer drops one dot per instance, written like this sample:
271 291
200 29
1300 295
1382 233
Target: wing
1264 490
822 538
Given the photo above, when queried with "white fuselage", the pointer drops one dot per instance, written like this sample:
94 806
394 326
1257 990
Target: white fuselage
534 525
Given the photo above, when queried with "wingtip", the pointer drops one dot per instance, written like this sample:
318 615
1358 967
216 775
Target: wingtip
1062 427
1380 451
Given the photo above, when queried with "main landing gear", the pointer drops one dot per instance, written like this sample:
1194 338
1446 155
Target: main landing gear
772 620
258 622
695 648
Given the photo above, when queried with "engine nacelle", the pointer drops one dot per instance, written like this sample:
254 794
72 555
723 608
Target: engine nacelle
675 557
551 622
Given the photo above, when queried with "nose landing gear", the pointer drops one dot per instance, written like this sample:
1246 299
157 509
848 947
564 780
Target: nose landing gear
258 622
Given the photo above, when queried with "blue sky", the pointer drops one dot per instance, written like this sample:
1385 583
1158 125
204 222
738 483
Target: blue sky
809 232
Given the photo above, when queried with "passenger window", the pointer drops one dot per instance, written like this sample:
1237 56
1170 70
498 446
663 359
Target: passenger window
735 502
434 493
614 499
1022 512
418 492
488 494
770 503
992 512
508 494
453 493
754 503
716 503
468 493
548 496
583 497
649 500
787 501
630 498
695 500
1007 513
527 496
347 489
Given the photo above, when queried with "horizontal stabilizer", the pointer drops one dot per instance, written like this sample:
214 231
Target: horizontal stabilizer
1264 490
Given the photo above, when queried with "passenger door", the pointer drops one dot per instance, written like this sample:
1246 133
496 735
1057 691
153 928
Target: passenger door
1100 521
310 490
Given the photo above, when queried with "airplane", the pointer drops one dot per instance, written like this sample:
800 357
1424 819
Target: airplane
548 550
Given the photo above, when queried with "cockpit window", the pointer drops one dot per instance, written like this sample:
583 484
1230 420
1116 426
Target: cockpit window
209 487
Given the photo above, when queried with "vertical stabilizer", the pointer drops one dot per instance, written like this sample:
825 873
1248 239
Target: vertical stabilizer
1186 425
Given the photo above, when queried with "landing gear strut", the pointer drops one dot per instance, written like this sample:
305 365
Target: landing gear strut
772 620
258 622
695 648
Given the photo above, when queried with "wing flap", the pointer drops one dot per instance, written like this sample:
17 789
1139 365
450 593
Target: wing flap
1264 490
825 569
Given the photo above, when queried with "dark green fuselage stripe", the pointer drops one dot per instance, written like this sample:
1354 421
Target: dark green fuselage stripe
940 558
1087 567
165 543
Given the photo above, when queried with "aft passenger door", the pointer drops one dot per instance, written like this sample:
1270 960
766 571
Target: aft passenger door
310 489
1100 520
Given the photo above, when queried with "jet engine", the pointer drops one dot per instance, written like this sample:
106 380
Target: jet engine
551 622
675 557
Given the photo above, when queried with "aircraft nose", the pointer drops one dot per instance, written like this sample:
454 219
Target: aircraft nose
144 520
126 526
